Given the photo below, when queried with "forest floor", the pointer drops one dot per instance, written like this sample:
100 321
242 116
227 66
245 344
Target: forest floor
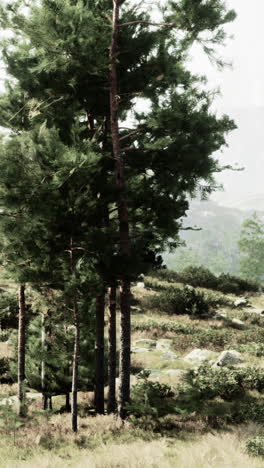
45 440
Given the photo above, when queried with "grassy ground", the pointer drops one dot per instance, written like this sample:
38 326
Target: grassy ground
103 442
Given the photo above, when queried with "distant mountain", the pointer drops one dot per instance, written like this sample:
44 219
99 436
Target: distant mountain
216 244
254 203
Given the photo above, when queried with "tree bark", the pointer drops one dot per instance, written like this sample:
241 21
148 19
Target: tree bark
75 365
67 403
111 406
124 235
43 367
21 352
99 355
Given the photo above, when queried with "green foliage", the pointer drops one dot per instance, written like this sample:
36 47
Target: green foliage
5 376
10 422
164 326
207 383
181 301
255 447
251 245
199 276
8 309
150 402
257 349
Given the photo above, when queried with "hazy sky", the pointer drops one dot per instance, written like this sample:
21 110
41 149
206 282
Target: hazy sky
242 97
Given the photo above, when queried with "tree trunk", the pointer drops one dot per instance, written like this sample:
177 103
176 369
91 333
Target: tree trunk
111 406
67 403
75 365
21 352
43 370
124 236
99 355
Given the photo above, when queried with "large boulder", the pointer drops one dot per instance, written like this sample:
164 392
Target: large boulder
199 355
228 358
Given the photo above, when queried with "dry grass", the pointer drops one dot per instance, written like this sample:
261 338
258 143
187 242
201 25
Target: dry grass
218 450
6 350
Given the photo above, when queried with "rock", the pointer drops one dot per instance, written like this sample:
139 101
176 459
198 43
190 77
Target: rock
163 345
241 302
148 343
228 358
256 311
140 350
169 356
174 372
221 316
136 310
188 286
238 324
140 284
199 355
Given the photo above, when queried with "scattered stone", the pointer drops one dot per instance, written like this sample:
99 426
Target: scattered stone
140 284
188 286
140 350
241 302
148 343
256 311
238 324
169 356
221 316
199 355
163 345
228 358
174 372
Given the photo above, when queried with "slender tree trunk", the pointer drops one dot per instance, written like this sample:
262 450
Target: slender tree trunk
74 407
21 352
43 367
99 355
124 236
67 402
111 406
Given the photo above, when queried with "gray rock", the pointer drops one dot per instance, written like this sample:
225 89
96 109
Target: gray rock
228 358
169 356
199 355
174 372
241 302
238 324
163 345
256 311
148 343
140 350
140 284
221 316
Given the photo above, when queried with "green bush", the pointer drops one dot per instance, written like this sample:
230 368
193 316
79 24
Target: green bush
5 377
255 447
165 326
232 284
257 349
150 402
4 335
214 337
181 301
207 383
199 276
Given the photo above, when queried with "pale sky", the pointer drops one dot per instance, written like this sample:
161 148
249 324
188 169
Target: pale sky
242 97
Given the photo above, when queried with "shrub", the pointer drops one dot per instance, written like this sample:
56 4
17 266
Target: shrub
255 447
181 301
164 325
165 275
150 402
257 349
5 377
232 284
207 383
199 276
217 338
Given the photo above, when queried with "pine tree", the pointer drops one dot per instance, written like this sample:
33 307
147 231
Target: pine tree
134 182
